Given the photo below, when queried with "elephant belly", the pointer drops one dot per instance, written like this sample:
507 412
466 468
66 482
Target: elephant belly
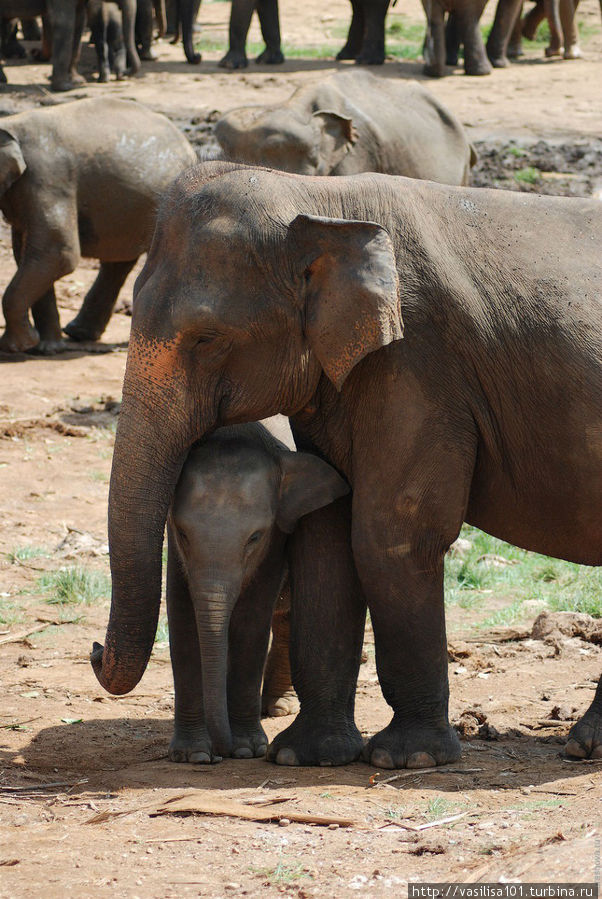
558 513
118 233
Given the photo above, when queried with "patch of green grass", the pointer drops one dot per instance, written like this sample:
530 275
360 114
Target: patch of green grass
74 585
25 553
393 812
162 635
283 872
10 613
440 807
100 476
516 151
562 586
528 175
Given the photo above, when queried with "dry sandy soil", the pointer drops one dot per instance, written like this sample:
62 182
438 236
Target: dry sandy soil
70 753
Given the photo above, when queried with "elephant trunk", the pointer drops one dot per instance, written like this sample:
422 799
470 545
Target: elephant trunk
212 611
150 448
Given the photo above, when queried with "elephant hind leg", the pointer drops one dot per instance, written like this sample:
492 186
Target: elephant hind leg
278 696
585 737
94 315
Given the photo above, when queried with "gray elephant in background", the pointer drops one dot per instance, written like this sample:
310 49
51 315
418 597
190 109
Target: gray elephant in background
80 179
349 123
240 493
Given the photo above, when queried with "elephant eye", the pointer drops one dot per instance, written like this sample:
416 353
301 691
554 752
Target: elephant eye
254 538
204 339
182 536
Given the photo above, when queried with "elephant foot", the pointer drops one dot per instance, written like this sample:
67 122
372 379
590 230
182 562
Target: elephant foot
192 744
49 347
148 54
515 51
477 66
248 742
553 51
278 706
104 75
370 59
499 62
3 78
270 57
349 51
418 746
21 341
433 70
573 52
313 740
451 60
80 331
234 59
60 85
585 737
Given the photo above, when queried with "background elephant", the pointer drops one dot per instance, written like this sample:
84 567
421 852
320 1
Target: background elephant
564 34
488 410
239 495
366 37
240 21
80 179
66 20
105 21
352 122
441 45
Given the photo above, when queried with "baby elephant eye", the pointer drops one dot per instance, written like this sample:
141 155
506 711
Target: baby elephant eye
254 538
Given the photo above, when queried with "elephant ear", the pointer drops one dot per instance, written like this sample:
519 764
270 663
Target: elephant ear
12 164
352 303
306 483
336 136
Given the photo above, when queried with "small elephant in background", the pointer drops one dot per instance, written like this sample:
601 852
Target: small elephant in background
104 19
366 37
80 179
240 493
564 34
352 122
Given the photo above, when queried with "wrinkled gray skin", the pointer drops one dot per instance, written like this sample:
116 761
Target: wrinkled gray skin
240 493
352 122
80 179
489 410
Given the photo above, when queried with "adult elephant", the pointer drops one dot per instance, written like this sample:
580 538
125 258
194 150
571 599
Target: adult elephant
241 13
352 122
441 45
266 292
65 19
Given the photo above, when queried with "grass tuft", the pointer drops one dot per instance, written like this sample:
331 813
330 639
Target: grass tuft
528 175
74 585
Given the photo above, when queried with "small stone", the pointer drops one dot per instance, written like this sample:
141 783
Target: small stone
284 822
232 886
333 826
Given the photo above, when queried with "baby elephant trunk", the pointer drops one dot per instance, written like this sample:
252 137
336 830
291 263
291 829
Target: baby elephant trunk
213 619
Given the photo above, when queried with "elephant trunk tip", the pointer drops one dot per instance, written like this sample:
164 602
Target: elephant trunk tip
112 684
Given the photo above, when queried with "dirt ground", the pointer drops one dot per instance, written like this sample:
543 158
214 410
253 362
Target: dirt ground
69 752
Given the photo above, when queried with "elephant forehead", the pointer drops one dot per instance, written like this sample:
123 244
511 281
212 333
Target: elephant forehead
225 495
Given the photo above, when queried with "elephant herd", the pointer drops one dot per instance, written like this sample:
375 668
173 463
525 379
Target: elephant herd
122 33
437 350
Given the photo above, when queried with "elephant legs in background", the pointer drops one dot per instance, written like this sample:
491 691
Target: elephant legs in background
67 25
94 315
366 36
564 35
278 697
442 42
240 22
506 15
324 661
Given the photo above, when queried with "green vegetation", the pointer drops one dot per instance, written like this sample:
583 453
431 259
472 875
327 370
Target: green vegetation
491 566
74 585
162 635
440 807
282 872
25 553
528 175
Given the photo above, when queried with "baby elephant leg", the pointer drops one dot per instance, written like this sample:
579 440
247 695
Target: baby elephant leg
278 696
95 313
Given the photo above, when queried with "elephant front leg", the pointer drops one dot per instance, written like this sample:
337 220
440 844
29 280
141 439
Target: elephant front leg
66 25
435 50
240 22
585 737
269 20
247 649
95 313
355 35
373 42
327 630
506 14
475 56
190 741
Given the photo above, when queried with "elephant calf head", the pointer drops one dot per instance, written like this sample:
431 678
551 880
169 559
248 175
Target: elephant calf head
282 138
12 163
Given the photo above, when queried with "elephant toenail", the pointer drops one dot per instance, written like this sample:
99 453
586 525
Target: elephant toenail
200 758
575 750
260 751
326 763
597 752
382 759
421 760
287 757
243 753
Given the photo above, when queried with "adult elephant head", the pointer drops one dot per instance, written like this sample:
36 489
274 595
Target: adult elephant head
245 300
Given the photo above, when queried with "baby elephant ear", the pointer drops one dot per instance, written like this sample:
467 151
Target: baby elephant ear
351 290
307 483
12 164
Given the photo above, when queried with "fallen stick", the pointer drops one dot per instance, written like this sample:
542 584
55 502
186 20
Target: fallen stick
416 828
16 724
21 635
41 787
413 772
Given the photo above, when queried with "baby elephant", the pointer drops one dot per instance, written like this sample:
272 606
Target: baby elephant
80 179
240 494
352 122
